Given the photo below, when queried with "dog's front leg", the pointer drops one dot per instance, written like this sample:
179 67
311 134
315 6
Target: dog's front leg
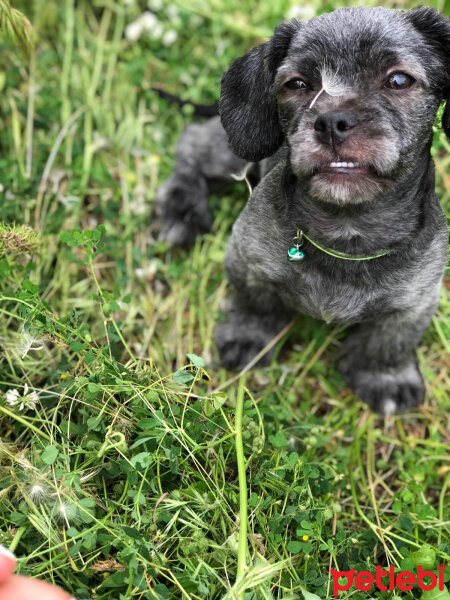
251 323
379 359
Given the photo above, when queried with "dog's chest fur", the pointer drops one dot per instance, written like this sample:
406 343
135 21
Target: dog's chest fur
324 287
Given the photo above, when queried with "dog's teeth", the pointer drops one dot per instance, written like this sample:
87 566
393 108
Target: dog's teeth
344 164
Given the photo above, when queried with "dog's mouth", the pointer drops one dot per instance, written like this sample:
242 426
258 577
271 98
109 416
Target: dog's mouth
345 168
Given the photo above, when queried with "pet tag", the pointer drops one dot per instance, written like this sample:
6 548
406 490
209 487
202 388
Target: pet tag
294 253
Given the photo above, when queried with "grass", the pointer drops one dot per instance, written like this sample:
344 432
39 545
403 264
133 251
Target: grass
136 467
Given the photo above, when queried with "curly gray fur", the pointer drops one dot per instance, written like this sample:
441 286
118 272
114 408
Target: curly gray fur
344 113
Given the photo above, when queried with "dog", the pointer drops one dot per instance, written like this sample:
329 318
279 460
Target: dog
335 117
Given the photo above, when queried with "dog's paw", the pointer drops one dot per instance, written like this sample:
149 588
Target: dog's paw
181 210
239 345
388 391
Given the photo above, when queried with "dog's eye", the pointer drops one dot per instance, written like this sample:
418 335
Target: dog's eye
296 84
399 81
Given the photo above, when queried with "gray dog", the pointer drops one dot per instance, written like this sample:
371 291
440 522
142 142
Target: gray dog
344 224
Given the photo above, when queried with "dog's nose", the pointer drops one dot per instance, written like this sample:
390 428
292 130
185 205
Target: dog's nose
334 126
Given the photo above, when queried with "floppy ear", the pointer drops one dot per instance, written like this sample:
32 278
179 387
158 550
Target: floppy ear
247 106
436 30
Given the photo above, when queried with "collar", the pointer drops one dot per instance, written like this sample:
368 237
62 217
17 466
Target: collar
295 254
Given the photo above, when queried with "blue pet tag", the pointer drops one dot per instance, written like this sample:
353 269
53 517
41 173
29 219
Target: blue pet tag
295 254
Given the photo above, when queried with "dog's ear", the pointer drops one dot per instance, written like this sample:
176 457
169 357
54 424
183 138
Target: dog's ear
247 106
436 30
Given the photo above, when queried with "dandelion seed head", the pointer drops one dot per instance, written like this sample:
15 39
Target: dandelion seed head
66 512
29 342
36 492
331 83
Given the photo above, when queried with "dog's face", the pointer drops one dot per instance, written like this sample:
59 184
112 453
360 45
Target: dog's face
357 96
354 93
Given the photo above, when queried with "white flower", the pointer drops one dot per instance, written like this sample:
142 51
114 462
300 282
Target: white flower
99 142
138 348
172 12
12 397
147 272
157 31
221 46
302 13
169 37
148 20
28 401
196 21
138 206
155 4
133 31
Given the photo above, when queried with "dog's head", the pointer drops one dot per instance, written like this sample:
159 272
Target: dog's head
353 92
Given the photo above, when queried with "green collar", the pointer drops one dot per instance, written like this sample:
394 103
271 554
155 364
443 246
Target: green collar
295 254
